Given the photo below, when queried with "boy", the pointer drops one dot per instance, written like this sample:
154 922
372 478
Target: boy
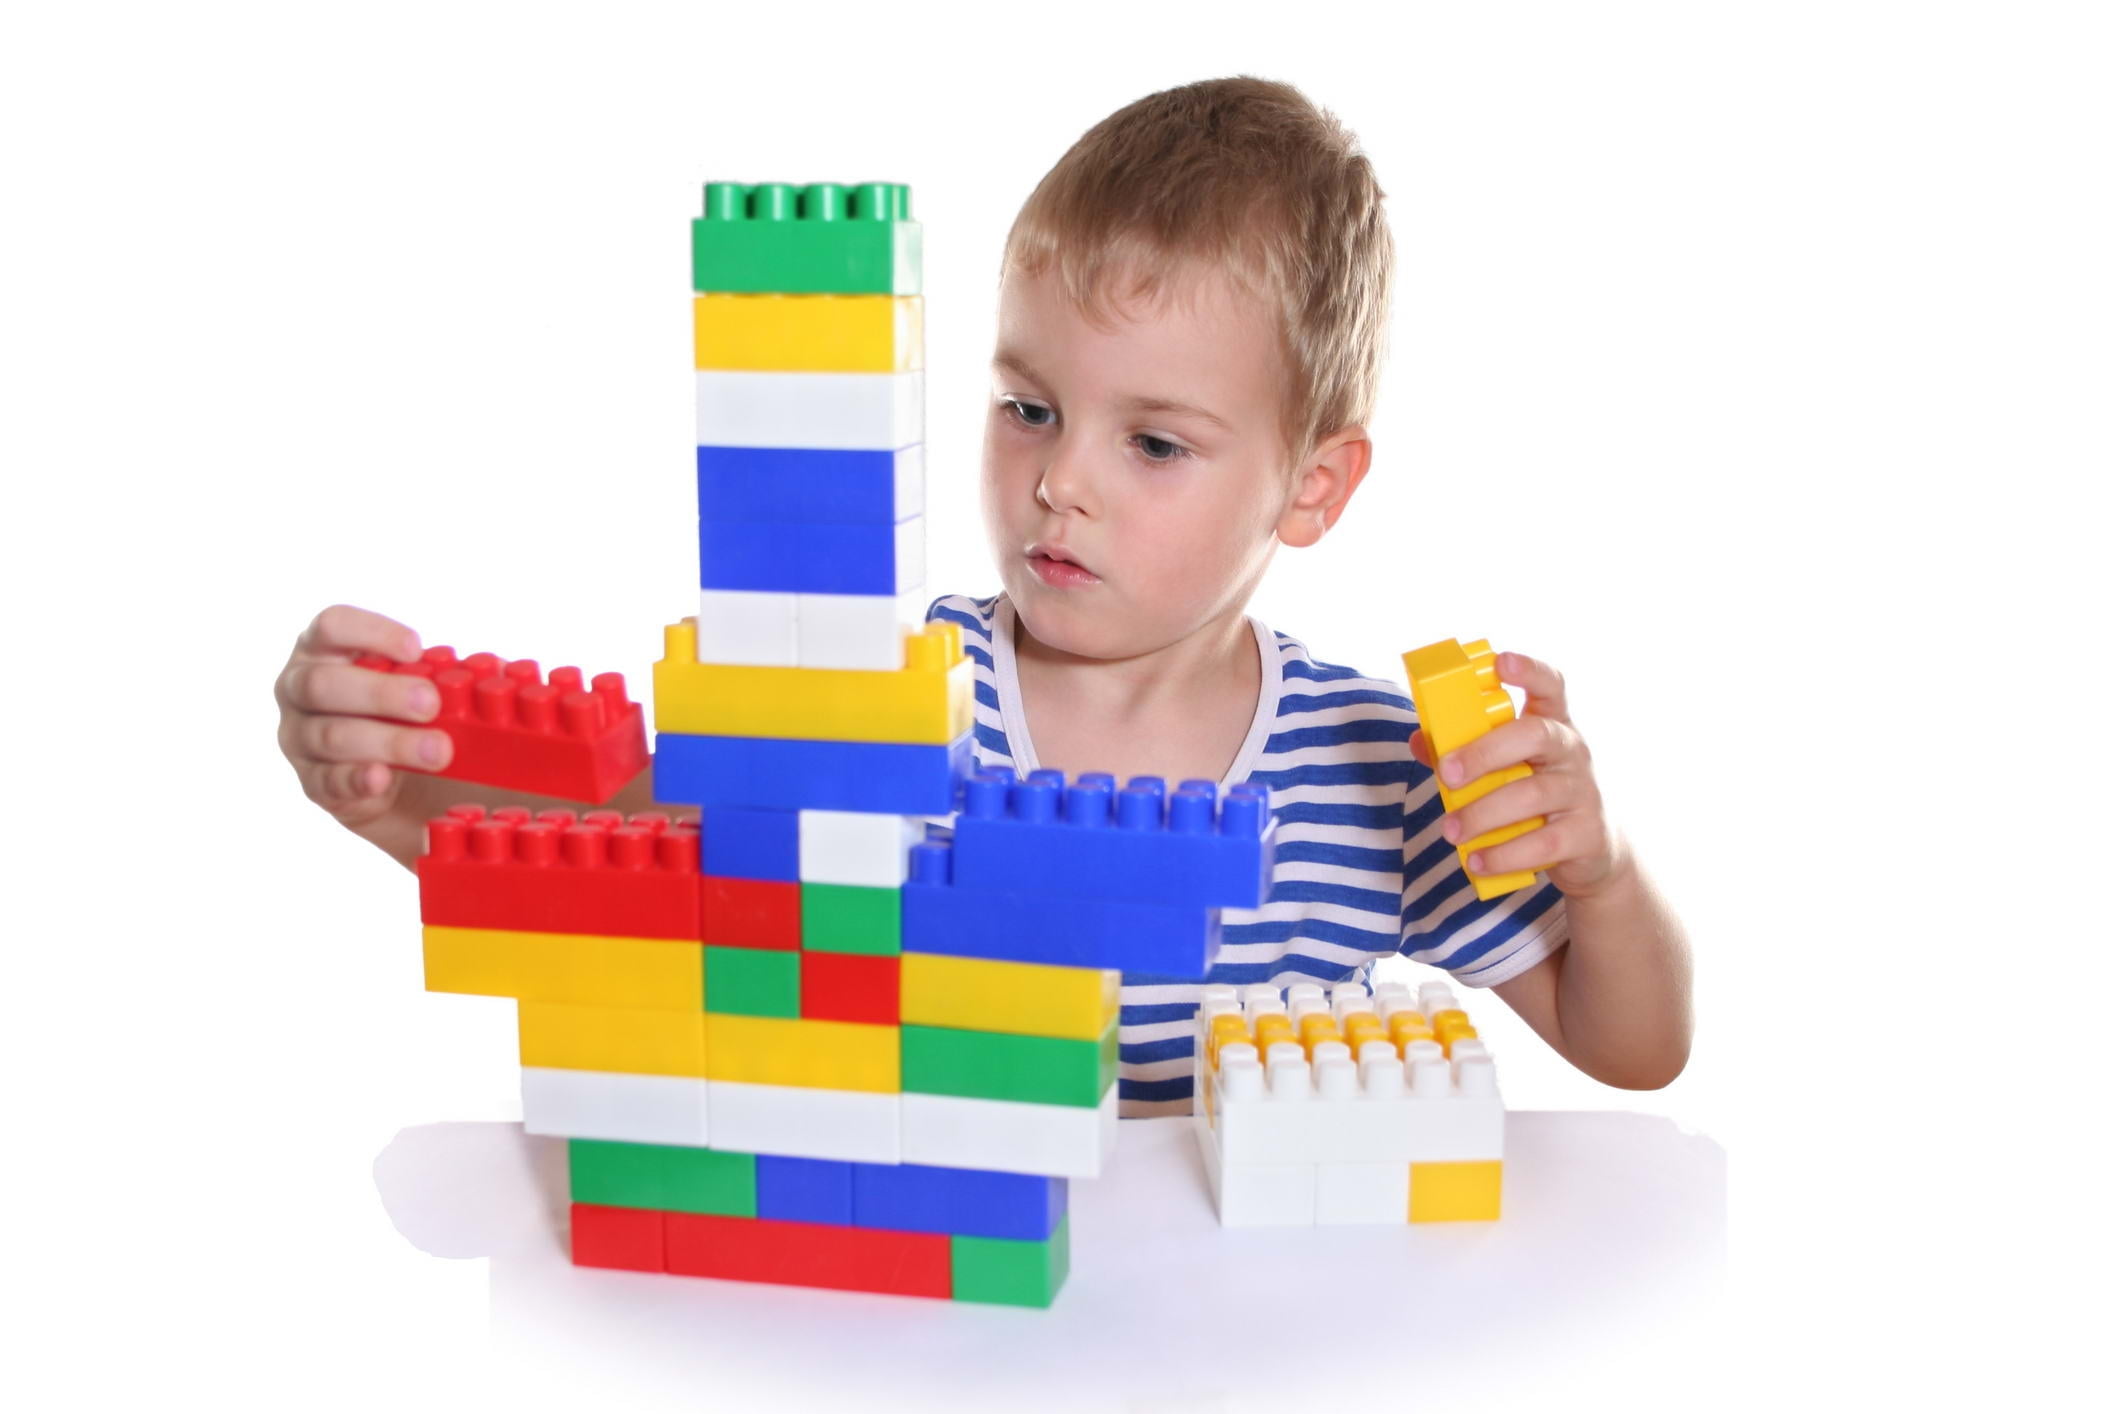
1192 314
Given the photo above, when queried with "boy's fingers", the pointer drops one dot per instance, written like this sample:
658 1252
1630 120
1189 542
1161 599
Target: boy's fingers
1418 743
343 629
342 786
325 685
358 739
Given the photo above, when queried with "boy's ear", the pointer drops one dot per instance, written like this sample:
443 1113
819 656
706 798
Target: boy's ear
1324 483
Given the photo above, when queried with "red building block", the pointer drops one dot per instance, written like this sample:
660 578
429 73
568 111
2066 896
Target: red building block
840 986
807 1254
602 873
512 730
751 913
630 1239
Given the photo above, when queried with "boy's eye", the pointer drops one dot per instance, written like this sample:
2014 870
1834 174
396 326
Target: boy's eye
1156 449
1022 412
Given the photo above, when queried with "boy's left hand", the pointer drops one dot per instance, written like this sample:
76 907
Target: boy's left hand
1576 848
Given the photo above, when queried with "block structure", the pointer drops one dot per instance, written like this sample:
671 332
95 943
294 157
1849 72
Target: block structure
1458 698
802 1041
1358 1109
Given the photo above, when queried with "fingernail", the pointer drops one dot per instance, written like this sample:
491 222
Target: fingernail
424 701
431 747
1476 864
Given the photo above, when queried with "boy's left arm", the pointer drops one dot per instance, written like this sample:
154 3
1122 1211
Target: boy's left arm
1617 1000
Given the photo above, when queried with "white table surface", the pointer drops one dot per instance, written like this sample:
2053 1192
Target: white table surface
1611 1240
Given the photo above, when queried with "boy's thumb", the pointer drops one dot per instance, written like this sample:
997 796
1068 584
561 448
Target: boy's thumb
1418 743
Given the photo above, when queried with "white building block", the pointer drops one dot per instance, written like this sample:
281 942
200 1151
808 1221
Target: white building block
866 631
745 626
909 553
853 847
1357 1194
803 1123
1267 1195
595 1104
846 411
1066 1141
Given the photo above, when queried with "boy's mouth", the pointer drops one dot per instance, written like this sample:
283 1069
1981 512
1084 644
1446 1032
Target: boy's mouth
1058 568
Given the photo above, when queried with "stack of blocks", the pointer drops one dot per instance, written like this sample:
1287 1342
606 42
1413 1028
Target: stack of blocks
804 1041
1348 1109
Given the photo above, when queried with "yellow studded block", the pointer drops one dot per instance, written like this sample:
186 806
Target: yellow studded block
1455 1192
1458 699
1318 1026
807 333
823 1055
928 701
630 1040
1020 998
575 968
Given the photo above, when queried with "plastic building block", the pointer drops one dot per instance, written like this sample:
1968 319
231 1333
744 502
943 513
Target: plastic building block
768 774
558 874
748 626
639 1109
850 987
929 699
1264 1195
1455 1192
961 1202
993 1065
819 239
806 1190
627 1239
811 485
807 1254
734 408
857 630
1362 1194
664 1177
754 982
751 913
1009 1273
850 918
1066 1141
628 1040
764 556
1024 998
807 333
509 727
751 844
582 968
1458 698
856 847
1008 926
803 1122
1092 838
825 1055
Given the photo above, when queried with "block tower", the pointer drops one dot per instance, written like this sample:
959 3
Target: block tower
813 1040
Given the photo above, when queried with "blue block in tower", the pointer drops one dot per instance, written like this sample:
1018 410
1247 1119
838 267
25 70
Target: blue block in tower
737 843
810 486
768 773
811 557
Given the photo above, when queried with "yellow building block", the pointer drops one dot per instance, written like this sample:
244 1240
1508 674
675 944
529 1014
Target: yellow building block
824 1055
1021 998
1458 698
807 333
1455 1192
630 1040
928 701
576 968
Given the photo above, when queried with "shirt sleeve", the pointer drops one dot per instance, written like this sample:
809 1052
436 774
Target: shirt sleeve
1480 942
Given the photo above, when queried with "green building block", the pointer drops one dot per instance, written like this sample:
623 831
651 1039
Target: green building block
850 918
754 982
1009 1273
662 1176
992 1065
824 239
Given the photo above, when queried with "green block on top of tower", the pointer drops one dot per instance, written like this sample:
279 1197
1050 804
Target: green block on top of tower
823 239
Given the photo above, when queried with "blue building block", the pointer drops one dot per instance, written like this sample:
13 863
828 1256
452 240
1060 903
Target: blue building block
961 1202
935 916
810 558
737 843
768 773
806 1190
1094 840
810 486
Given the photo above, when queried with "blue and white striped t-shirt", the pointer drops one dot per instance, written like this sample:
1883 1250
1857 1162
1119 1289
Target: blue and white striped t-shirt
1361 867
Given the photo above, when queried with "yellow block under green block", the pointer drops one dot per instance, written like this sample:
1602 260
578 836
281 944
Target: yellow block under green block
1022 998
581 969
807 333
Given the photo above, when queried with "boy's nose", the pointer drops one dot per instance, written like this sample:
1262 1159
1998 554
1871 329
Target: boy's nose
1066 484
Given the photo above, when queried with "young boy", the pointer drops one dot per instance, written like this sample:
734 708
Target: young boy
1192 315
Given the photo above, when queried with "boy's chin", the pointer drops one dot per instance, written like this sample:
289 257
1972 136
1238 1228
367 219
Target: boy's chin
1070 621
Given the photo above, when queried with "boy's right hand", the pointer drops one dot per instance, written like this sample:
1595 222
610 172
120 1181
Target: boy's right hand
347 762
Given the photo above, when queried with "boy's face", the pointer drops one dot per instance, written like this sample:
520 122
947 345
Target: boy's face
1150 455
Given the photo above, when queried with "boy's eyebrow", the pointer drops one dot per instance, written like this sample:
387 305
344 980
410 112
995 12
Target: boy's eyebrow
1140 402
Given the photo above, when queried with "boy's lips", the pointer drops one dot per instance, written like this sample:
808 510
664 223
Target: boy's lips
1057 567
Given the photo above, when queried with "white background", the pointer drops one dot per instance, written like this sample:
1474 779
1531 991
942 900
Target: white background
1755 365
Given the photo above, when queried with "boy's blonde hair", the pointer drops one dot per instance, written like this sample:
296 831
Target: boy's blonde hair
1249 178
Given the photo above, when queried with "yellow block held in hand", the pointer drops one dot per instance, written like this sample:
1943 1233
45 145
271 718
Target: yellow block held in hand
1458 698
